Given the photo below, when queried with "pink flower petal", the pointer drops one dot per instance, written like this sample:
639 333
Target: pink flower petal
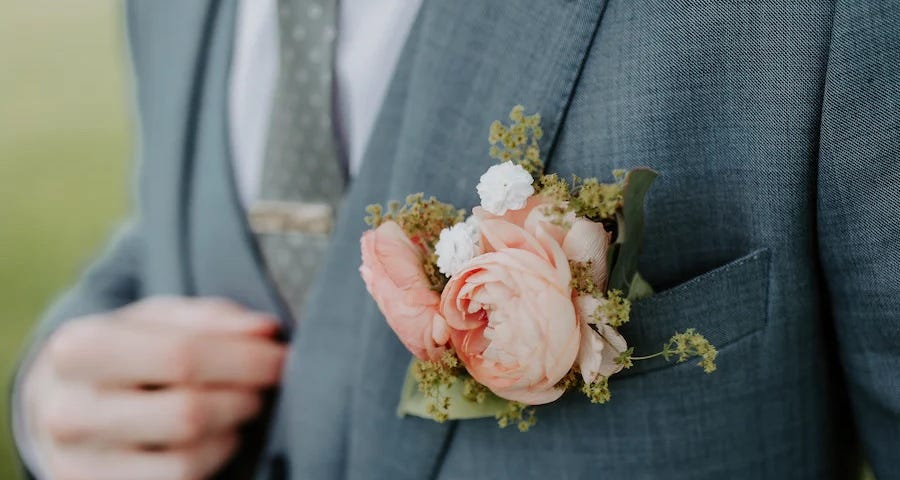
588 241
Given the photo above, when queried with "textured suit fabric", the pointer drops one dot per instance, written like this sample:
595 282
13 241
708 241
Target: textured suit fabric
302 161
773 227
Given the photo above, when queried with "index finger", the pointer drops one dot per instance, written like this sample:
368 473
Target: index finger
121 354
200 314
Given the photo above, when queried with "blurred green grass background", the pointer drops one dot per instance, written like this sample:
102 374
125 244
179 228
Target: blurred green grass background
64 158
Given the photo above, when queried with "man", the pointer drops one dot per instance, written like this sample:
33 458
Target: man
90 413
774 227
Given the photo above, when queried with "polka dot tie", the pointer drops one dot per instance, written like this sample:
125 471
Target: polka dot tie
302 163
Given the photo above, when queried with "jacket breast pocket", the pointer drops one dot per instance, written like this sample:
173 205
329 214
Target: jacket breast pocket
724 305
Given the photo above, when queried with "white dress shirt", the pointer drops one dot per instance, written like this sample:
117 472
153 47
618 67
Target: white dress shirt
371 34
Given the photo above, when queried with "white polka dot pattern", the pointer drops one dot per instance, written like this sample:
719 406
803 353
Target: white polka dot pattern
302 163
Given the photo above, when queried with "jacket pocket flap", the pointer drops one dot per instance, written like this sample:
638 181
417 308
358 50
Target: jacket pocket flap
724 305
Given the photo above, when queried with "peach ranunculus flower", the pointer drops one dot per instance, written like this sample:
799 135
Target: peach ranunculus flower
510 310
392 269
600 343
588 241
484 347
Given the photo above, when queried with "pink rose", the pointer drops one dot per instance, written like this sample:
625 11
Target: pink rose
392 268
583 241
510 311
600 343
588 242
516 217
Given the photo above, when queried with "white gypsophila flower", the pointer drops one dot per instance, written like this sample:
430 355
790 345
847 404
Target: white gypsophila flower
456 246
505 187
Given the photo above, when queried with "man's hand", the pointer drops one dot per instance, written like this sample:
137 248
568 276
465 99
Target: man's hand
155 390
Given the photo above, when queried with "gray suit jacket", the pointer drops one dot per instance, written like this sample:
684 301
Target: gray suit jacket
774 228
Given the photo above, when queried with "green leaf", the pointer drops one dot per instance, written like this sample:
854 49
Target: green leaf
631 229
639 288
412 402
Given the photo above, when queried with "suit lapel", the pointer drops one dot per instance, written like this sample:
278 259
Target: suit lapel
166 44
222 253
473 61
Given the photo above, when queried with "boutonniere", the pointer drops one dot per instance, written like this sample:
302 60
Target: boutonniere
511 306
